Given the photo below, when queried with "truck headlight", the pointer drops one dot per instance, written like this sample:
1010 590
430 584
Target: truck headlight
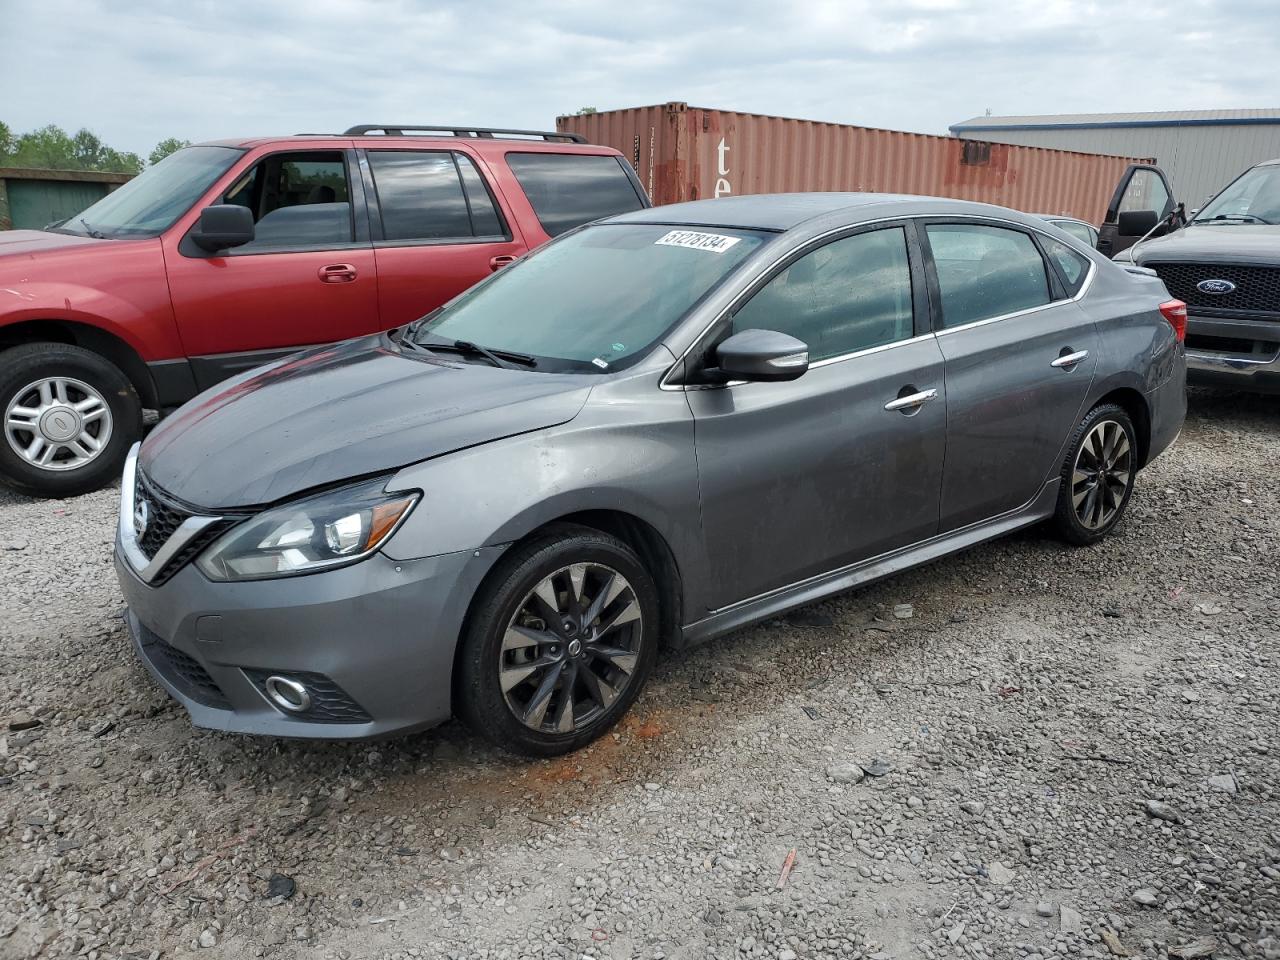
329 530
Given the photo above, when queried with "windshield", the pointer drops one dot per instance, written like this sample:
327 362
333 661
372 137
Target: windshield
148 204
596 299
1254 197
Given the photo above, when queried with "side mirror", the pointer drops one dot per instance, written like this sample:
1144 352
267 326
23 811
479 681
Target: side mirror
1136 223
222 226
762 355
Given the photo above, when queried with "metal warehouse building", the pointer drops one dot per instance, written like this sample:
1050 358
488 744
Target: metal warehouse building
1201 150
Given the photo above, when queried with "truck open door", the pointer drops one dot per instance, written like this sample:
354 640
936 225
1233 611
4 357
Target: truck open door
1141 200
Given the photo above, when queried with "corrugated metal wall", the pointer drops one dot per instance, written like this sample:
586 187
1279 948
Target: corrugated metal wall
31 199
1200 160
691 153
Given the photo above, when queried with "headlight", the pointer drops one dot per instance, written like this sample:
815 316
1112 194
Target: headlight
329 530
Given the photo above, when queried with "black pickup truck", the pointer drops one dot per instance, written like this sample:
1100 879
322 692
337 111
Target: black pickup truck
1223 262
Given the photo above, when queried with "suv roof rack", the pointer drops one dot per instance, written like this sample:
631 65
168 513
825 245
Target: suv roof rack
418 129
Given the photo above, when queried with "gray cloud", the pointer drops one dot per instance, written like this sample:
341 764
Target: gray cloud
200 70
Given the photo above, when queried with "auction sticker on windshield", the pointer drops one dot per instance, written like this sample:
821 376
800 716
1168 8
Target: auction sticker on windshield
713 242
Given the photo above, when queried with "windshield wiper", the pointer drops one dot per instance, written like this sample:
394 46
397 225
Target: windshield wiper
1237 216
508 359
88 228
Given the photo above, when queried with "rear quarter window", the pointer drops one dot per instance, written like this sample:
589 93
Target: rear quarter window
567 190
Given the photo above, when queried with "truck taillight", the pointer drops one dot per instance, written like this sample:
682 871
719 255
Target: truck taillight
1175 311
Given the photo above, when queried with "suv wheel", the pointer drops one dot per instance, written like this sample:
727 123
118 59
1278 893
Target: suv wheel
560 642
1097 476
69 419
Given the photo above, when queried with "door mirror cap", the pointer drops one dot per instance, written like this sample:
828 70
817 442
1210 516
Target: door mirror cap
1136 223
762 356
222 226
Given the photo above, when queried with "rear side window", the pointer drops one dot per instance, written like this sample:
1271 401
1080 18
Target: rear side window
567 190
1072 266
985 272
432 195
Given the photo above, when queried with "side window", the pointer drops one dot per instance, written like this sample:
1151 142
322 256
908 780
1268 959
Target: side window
420 195
849 295
567 190
1146 191
485 219
297 199
1081 231
985 271
1072 267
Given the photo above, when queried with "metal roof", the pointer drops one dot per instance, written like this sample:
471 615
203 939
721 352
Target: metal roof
1156 118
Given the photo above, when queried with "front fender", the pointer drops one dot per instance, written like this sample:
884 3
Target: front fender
635 459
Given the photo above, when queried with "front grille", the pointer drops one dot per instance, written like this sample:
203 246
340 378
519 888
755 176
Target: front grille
1257 288
164 517
329 702
183 671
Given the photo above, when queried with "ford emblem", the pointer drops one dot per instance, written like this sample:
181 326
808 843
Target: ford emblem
1215 286
141 517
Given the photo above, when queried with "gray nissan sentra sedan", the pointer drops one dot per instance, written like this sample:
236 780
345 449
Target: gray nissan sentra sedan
656 429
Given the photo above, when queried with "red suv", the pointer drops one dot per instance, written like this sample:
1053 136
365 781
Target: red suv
231 254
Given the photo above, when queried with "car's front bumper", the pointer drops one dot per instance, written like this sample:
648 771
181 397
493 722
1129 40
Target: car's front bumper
373 642
1238 353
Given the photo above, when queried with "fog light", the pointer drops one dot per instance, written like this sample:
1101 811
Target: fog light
288 695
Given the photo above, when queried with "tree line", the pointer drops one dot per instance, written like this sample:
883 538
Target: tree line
52 148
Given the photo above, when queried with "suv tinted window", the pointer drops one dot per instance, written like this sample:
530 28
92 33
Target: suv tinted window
485 219
849 295
567 190
1072 267
297 199
985 271
420 195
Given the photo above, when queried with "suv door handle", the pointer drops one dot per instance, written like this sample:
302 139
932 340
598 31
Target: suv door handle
497 263
912 401
336 273
1068 361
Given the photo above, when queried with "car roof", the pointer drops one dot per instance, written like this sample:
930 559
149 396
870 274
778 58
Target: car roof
482 145
785 211
1063 216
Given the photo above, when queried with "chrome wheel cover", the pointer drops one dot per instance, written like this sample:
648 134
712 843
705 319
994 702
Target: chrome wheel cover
571 648
1101 475
57 423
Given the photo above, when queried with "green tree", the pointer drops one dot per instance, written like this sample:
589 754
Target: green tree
51 147
586 111
166 147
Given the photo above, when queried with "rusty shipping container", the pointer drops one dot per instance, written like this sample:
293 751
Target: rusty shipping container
692 153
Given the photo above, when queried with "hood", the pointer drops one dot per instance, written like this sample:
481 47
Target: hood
1247 243
342 412
26 242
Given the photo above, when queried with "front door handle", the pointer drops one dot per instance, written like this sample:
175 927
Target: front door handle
1068 361
498 262
912 401
336 273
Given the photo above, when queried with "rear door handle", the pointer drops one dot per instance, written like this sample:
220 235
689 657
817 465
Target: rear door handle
336 273
498 262
912 401
1068 360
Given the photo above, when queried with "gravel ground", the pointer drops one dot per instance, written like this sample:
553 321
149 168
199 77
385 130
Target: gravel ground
1053 751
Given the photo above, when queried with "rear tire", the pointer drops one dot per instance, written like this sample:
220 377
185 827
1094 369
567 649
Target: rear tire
1097 476
70 417
561 639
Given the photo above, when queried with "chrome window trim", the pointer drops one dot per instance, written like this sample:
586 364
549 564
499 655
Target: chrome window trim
664 384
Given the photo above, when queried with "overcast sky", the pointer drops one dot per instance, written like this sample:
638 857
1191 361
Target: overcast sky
138 71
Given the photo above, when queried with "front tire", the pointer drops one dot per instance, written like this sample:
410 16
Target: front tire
561 640
1097 476
70 417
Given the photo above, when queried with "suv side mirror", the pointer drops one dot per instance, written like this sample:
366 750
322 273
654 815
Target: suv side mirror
223 225
1136 223
763 356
